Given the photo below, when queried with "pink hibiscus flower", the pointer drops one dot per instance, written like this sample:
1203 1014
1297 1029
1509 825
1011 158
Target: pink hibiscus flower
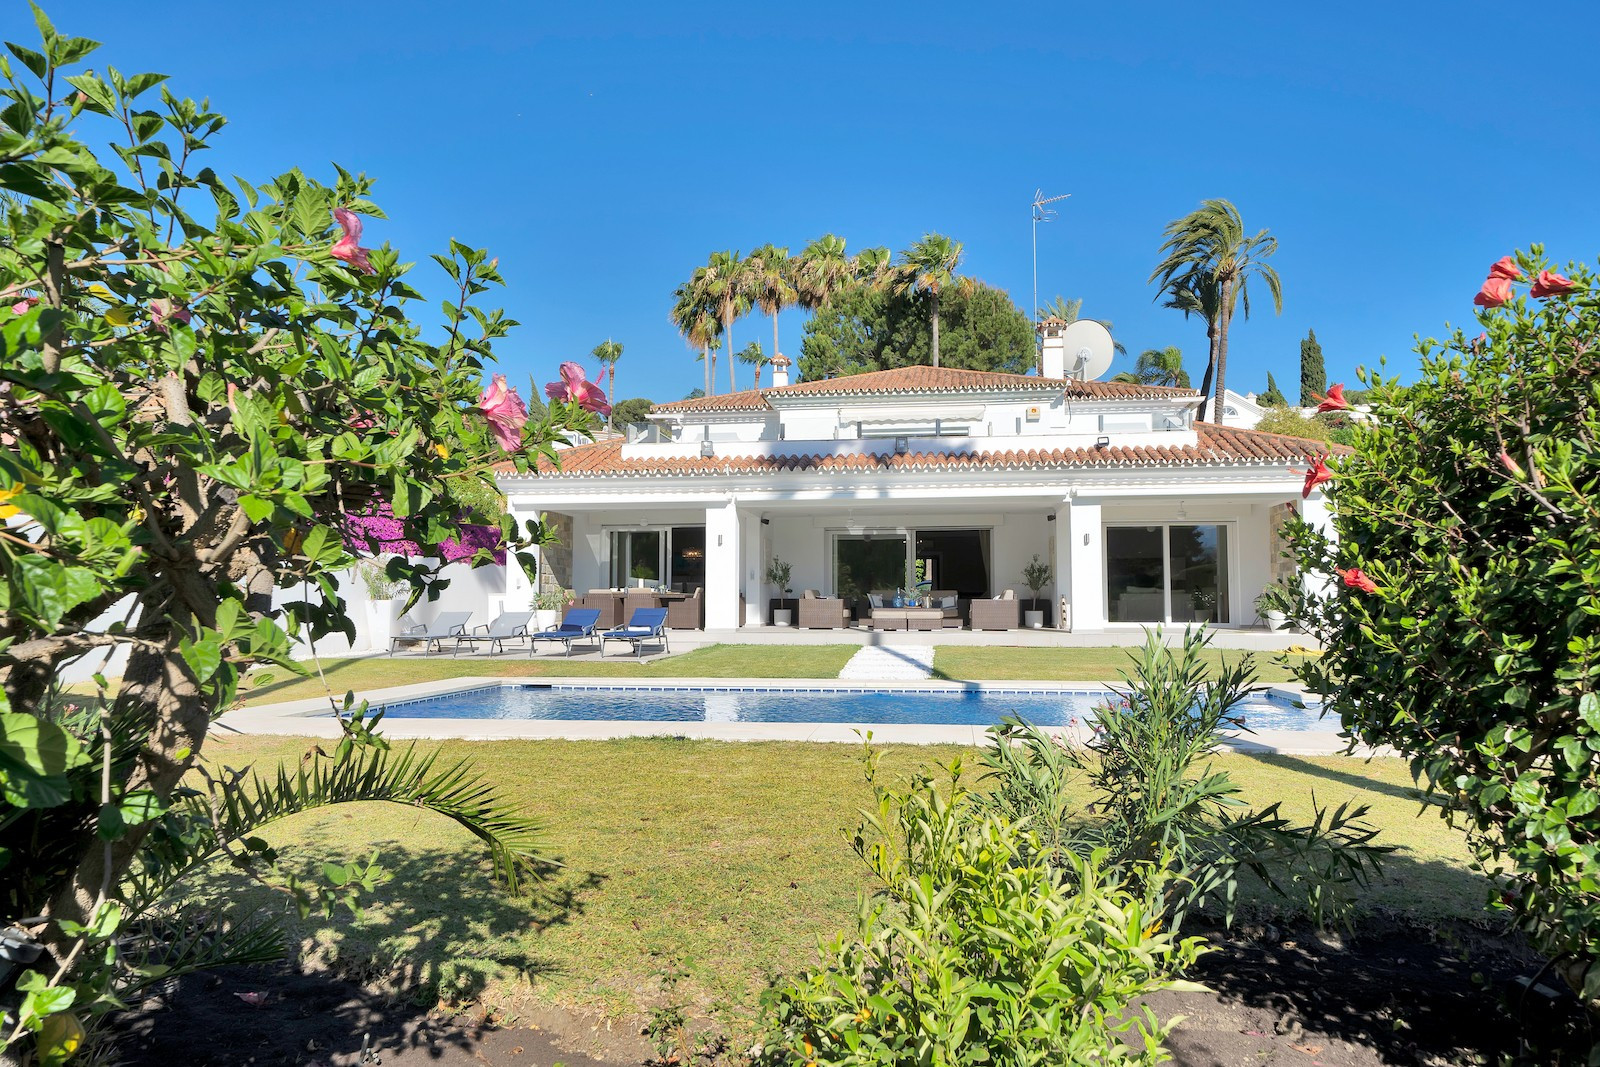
575 386
348 247
506 412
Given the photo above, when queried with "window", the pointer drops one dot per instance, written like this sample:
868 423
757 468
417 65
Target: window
1167 573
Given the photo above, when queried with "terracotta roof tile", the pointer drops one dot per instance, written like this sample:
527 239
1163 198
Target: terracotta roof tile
1215 446
922 380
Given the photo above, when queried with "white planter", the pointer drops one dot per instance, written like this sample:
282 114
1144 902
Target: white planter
545 620
1275 620
641 583
1033 620
782 617
381 617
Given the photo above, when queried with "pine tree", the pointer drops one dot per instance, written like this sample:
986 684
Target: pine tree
1273 397
1313 375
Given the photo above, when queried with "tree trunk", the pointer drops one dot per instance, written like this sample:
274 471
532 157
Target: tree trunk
1211 369
612 376
935 327
705 357
733 364
775 352
1221 412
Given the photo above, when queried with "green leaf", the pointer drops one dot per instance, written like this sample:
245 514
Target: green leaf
203 656
35 758
48 590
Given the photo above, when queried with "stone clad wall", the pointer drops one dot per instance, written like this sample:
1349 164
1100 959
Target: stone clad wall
1283 564
557 570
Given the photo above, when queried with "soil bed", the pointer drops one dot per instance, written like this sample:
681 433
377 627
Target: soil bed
1393 995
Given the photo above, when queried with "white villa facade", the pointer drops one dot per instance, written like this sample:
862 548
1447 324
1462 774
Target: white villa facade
1142 514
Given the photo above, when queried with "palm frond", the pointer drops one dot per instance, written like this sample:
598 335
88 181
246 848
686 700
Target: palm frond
366 774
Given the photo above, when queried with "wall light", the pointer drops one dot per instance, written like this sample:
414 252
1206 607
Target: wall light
1102 442
901 446
1050 518
706 449
766 522
1085 538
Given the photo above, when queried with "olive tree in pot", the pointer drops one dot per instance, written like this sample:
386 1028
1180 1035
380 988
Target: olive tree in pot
548 605
778 573
1036 575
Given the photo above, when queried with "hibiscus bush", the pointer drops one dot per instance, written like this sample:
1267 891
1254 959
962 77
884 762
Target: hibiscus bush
1459 605
201 380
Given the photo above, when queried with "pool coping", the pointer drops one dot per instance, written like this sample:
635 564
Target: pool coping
312 717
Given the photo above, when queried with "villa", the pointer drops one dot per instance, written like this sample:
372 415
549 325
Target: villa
1142 514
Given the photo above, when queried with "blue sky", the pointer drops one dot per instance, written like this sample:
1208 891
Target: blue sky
604 150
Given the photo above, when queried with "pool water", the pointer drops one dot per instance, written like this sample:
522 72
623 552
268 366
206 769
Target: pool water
936 707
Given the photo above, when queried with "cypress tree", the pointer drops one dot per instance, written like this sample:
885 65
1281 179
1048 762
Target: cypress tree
1273 397
1313 375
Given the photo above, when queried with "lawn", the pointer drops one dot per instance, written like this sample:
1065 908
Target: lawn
991 663
726 860
971 663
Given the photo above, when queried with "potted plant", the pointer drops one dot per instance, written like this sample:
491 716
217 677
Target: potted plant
778 573
386 598
1271 603
547 607
1204 603
643 576
1035 575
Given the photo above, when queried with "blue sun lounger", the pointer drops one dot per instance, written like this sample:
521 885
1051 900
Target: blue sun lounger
576 625
647 624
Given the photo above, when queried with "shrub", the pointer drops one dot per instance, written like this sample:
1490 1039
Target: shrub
975 950
202 382
1158 808
1459 605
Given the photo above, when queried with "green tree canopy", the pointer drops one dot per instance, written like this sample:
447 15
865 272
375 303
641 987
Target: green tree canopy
864 330
1273 397
1313 374
630 411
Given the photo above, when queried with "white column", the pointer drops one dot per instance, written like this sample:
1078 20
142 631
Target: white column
1315 512
722 566
519 591
752 564
1087 550
1061 564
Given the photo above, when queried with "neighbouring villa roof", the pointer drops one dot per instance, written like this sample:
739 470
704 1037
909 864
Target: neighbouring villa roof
923 380
1215 446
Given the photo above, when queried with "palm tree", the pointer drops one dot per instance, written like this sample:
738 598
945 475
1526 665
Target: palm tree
1158 366
752 355
928 266
874 268
608 352
821 272
1061 308
730 285
692 315
1206 266
772 273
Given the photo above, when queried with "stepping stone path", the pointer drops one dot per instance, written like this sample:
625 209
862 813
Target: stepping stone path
890 663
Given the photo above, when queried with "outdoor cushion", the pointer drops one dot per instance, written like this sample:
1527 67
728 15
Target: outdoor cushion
875 599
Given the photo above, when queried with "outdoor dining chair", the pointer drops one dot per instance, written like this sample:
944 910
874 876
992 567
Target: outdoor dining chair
646 624
448 625
576 625
509 626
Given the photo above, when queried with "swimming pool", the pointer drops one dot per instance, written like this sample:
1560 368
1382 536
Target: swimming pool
934 706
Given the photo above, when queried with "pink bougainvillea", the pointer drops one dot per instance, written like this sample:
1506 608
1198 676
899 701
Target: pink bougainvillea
378 532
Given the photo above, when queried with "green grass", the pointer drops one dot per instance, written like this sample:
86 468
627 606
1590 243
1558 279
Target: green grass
989 663
1003 664
726 859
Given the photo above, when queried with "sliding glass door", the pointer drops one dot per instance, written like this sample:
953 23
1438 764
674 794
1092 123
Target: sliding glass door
865 562
1167 573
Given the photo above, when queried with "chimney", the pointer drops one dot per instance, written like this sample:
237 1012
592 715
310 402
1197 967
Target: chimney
780 370
1053 348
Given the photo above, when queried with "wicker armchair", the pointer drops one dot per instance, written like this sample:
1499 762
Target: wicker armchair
997 614
822 612
609 605
687 614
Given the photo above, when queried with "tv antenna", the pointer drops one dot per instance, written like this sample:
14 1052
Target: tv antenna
1042 212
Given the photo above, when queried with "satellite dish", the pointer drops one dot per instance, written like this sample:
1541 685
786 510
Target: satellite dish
1089 349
